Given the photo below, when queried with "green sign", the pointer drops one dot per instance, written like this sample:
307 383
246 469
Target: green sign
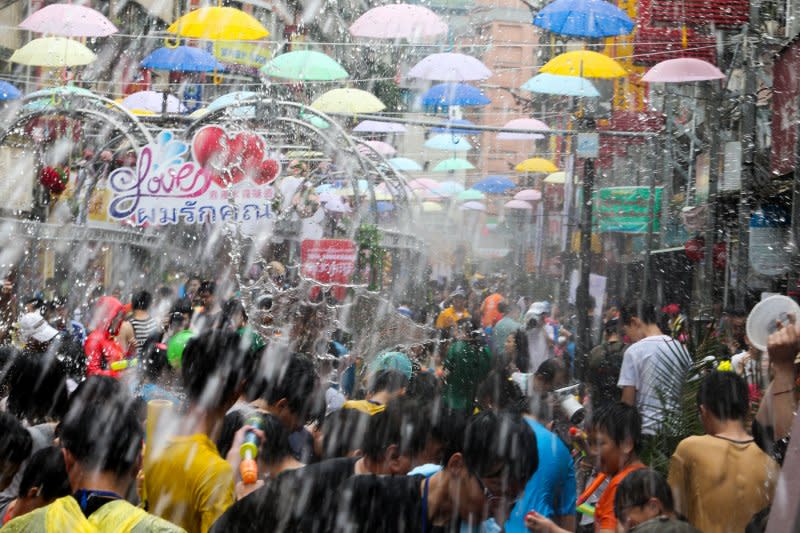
625 209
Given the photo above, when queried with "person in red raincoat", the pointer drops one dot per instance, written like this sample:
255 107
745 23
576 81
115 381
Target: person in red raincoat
101 348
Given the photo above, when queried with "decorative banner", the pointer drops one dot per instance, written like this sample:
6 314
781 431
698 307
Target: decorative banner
220 177
329 261
625 209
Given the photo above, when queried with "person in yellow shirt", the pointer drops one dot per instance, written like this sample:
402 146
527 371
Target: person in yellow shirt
188 482
450 317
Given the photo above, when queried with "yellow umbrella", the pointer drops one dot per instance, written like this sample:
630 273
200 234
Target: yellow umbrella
537 164
432 207
556 178
348 101
219 24
584 63
53 52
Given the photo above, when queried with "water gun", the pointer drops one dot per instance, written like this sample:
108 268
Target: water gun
593 486
578 438
248 468
124 364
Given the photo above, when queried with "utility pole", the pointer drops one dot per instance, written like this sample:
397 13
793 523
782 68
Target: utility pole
584 343
714 99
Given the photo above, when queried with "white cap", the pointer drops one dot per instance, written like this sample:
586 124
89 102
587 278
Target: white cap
536 310
34 326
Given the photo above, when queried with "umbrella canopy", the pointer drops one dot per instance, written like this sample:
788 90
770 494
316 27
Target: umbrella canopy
523 124
398 21
337 205
518 204
585 64
181 59
584 18
423 184
556 178
54 52
449 188
314 120
69 20
451 143
219 24
379 146
494 185
348 101
536 165
304 65
376 126
469 195
8 91
63 90
472 206
453 164
456 126
347 190
545 83
682 70
152 101
449 94
528 195
405 164
233 98
450 66
432 207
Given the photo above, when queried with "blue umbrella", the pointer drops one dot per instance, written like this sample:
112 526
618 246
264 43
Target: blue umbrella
384 207
8 91
450 143
545 83
181 59
494 185
584 18
457 126
447 94
404 164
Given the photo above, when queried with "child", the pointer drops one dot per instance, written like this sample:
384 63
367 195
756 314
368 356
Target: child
644 502
44 481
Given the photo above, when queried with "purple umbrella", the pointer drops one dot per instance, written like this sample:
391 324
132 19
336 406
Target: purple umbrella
682 70
152 101
450 66
528 195
522 124
376 126
517 204
379 146
398 21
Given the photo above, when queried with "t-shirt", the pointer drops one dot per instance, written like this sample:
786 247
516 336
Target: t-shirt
42 436
719 484
365 406
505 327
662 524
489 313
604 517
654 367
551 490
449 318
142 329
291 502
188 483
605 362
538 347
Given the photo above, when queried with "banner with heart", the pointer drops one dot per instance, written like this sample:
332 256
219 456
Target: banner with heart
230 158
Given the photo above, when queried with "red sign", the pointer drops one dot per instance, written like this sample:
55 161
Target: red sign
329 261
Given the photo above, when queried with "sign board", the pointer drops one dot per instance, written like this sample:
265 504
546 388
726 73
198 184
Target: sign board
17 178
329 261
252 54
588 146
219 177
626 209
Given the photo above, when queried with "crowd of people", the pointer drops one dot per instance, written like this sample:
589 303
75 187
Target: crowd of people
190 410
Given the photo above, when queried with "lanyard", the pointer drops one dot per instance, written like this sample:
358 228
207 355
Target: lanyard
425 506
83 496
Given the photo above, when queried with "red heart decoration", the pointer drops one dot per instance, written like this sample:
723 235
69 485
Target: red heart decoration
267 173
250 152
207 143
228 159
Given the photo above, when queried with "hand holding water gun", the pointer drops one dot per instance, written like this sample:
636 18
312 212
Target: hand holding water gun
248 450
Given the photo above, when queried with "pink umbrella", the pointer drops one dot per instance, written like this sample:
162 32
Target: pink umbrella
528 195
379 146
376 126
472 206
522 124
152 101
682 70
423 183
517 204
69 20
450 66
398 21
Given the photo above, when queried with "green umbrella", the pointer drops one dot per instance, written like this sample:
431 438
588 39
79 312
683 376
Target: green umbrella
304 65
314 120
454 163
470 194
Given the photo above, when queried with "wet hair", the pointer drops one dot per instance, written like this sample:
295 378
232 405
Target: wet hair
275 445
501 392
620 421
46 471
499 438
424 387
207 286
502 307
15 441
521 359
153 359
725 395
403 423
96 389
141 300
549 369
447 428
296 381
37 388
388 380
214 366
630 310
638 487
343 432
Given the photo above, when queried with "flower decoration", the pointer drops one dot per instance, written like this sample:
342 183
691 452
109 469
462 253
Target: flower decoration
54 179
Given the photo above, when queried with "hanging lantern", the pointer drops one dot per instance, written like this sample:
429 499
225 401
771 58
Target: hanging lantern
54 179
695 249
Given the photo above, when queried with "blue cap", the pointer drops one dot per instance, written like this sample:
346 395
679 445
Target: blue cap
391 361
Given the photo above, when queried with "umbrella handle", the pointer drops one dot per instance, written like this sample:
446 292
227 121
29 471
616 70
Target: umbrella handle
217 78
172 44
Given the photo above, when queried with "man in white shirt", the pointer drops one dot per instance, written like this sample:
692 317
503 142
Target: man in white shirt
539 333
648 378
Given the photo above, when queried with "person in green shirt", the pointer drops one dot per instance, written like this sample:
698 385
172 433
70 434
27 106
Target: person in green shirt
465 366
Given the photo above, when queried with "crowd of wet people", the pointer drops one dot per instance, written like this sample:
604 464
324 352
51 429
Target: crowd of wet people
176 410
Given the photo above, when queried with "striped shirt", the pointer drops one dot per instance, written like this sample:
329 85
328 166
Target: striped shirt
143 328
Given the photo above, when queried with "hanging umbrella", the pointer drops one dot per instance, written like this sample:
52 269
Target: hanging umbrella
449 188
682 70
450 94
304 65
53 52
584 18
556 178
528 195
181 59
315 120
347 190
376 126
470 194
231 99
450 143
8 91
337 205
152 101
518 204
69 20
545 83
494 185
219 24
450 66
431 207
398 21
472 206
522 124
456 126
585 64
379 146
453 164
63 90
423 183
351 101
405 164
536 165
384 206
